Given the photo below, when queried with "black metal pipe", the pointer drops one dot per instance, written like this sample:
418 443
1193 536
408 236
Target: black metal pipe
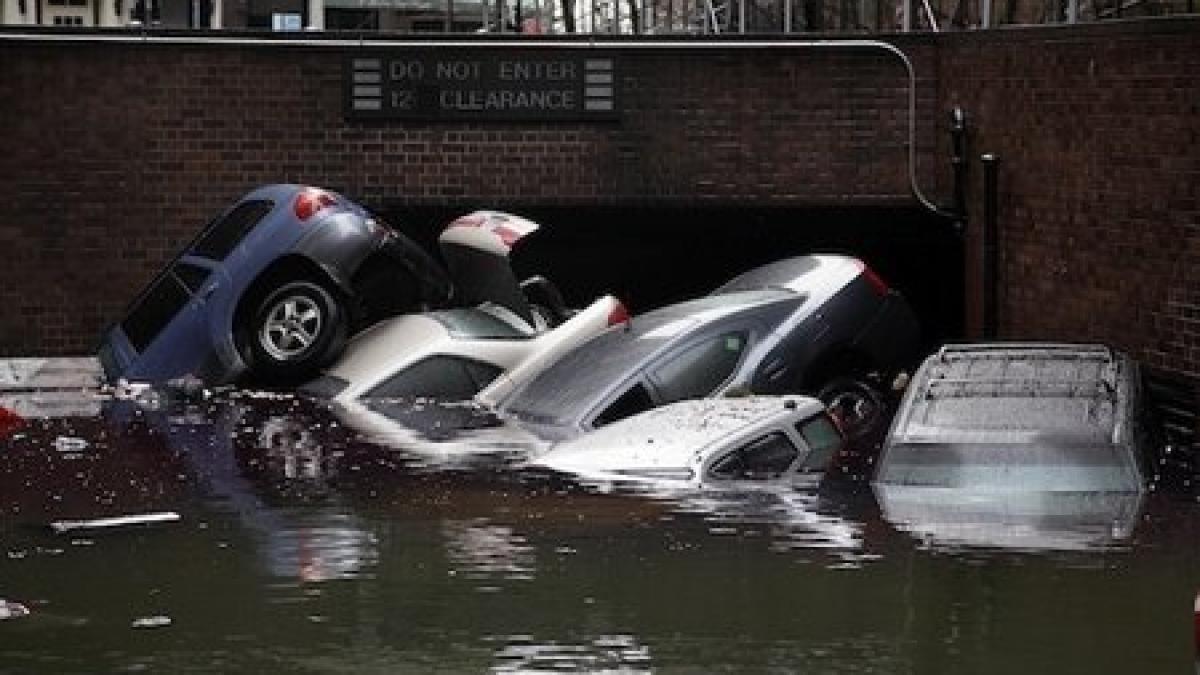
990 257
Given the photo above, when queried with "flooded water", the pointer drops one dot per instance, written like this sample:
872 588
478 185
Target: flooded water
300 546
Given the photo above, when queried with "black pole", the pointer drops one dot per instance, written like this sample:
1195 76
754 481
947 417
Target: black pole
990 251
958 162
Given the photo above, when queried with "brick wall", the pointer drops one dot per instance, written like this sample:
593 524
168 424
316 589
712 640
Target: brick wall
1098 131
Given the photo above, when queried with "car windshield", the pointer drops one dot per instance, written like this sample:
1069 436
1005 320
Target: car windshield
569 388
1082 466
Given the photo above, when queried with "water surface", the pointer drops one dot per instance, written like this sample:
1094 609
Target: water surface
302 547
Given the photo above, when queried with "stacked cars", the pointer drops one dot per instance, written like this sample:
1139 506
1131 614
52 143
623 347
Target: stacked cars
451 354
821 324
292 280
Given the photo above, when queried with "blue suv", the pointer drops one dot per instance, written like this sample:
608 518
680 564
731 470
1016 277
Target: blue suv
270 290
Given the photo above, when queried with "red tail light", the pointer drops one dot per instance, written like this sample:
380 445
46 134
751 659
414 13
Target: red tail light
618 314
877 283
310 202
9 422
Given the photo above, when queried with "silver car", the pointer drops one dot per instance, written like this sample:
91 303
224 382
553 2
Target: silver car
818 323
1019 445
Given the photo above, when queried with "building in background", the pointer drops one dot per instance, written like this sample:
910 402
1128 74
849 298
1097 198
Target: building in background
580 16
279 15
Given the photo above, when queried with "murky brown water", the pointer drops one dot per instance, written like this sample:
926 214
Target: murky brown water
303 549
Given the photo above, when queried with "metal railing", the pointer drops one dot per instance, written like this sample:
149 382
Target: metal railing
707 17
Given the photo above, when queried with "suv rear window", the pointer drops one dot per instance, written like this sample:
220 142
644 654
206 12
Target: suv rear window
223 235
154 311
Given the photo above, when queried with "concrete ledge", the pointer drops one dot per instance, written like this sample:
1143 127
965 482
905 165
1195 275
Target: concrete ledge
42 374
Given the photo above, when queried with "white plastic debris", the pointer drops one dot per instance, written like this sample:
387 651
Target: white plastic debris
70 444
12 610
156 621
61 526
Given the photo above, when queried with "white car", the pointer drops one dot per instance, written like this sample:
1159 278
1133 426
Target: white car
452 354
760 439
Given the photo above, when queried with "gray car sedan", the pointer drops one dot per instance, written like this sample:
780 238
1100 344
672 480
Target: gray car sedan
812 324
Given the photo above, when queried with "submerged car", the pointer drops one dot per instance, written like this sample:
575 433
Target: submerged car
1019 445
452 354
1021 418
270 288
449 354
760 439
819 324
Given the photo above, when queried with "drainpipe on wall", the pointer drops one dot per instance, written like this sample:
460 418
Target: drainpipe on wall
990 257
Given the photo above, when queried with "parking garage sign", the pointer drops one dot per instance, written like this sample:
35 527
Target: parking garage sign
481 86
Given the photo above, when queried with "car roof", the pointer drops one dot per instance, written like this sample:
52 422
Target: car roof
807 274
672 435
1016 392
571 386
389 344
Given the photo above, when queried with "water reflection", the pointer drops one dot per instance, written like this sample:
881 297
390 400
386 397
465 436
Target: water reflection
603 653
1021 521
479 549
305 546
254 458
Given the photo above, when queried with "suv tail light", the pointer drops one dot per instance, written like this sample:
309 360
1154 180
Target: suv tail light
311 201
9 422
618 314
877 283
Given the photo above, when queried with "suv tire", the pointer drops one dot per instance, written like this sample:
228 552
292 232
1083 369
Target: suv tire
293 331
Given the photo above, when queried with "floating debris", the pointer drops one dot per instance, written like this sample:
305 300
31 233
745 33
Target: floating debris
156 621
61 526
70 444
12 610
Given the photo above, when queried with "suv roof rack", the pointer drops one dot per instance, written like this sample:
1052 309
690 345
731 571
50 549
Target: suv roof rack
1041 378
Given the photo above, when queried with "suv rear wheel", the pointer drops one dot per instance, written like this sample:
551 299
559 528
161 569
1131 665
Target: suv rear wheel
857 403
293 331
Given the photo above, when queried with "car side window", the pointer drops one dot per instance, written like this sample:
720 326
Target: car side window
764 458
444 377
635 400
823 440
698 370
220 238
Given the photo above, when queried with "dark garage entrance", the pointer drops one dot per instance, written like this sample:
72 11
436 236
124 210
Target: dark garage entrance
649 255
